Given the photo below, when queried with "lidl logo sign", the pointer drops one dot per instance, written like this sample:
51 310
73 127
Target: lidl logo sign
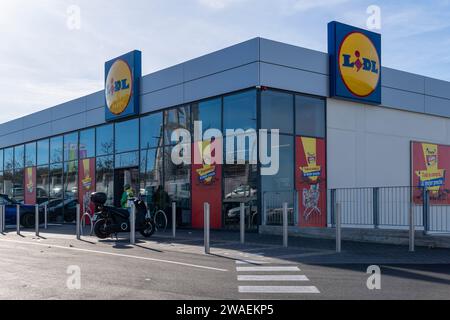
119 87
122 76
355 63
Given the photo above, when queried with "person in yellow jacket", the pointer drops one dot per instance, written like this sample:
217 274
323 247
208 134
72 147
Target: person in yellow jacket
127 196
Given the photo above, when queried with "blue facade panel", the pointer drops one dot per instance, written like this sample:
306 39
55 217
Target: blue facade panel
257 62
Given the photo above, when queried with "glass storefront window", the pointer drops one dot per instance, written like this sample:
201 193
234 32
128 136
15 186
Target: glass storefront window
240 186
105 141
279 188
30 155
71 147
9 159
55 205
19 157
56 181
284 180
239 111
87 144
70 180
70 191
56 149
209 113
2 183
8 182
310 116
42 184
151 175
177 188
43 152
152 131
127 136
127 160
18 188
1 160
277 111
105 177
177 118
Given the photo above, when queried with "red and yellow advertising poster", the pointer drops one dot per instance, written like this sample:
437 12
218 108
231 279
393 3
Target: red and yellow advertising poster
30 186
310 181
430 165
206 186
86 184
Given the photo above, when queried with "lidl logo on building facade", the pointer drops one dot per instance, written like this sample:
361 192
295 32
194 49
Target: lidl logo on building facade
122 77
355 63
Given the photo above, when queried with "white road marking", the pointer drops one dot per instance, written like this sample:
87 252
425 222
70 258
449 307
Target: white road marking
273 278
116 255
249 262
278 289
267 269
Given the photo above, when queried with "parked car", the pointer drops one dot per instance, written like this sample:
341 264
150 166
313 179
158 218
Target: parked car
57 207
243 191
27 212
234 213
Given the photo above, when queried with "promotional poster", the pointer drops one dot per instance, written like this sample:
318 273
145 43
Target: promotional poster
86 181
311 181
30 186
430 166
206 185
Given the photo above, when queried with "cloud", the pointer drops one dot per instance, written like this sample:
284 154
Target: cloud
218 4
307 5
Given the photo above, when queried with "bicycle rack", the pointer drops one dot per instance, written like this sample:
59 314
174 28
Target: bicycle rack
87 216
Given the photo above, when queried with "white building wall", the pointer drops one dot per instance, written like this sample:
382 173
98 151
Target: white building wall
369 146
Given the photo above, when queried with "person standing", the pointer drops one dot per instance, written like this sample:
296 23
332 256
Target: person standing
127 197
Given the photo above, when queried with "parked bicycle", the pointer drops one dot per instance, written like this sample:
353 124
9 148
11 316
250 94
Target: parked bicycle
159 219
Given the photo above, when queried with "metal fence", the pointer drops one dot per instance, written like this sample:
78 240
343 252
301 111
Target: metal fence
382 208
273 207
389 208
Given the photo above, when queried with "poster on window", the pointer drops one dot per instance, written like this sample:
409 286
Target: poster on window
86 184
311 182
206 183
30 186
430 166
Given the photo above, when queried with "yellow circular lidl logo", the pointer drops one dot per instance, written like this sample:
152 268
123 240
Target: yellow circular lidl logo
119 87
359 64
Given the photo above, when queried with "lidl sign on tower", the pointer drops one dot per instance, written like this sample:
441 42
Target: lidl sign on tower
355 63
122 77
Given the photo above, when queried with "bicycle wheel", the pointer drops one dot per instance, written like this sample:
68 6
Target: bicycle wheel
161 221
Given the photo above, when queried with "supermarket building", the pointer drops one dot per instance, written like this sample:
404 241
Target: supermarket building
390 131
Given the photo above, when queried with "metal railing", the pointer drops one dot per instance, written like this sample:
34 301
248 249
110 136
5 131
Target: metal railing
273 203
389 208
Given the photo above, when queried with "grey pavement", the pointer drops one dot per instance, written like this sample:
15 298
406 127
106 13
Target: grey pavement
163 268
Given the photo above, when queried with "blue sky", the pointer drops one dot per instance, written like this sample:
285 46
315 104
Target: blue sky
44 63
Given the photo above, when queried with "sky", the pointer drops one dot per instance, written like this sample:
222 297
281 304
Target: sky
53 51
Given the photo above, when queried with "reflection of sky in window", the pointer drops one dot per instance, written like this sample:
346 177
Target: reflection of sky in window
9 159
104 140
56 149
19 156
151 130
42 152
127 136
71 147
87 143
240 111
30 154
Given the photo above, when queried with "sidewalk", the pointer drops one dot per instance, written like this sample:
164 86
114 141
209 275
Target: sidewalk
301 250
316 251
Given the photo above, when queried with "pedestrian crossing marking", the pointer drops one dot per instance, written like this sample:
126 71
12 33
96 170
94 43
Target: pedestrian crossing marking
278 289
